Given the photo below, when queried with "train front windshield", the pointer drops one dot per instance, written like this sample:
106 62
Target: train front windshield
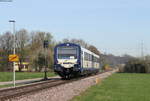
67 52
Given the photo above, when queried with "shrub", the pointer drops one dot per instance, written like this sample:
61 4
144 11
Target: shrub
137 66
107 67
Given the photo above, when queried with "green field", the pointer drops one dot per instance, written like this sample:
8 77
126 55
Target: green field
7 76
119 87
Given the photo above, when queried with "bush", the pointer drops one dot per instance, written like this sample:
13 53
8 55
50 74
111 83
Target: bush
121 68
137 66
107 67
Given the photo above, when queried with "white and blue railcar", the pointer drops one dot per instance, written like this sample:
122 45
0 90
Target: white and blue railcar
71 60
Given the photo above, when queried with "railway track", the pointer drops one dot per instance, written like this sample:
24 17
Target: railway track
30 88
34 87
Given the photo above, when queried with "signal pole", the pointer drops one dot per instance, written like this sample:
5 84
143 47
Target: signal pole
45 46
14 51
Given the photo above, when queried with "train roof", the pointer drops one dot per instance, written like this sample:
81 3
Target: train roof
67 44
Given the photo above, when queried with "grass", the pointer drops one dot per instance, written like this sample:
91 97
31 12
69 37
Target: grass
119 87
8 76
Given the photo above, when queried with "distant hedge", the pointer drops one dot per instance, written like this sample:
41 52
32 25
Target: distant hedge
136 66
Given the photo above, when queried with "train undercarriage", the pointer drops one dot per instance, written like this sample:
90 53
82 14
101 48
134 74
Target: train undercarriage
69 73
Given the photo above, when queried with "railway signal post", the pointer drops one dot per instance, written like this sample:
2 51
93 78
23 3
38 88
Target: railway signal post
45 46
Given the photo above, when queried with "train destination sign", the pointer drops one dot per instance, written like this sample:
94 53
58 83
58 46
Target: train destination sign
13 58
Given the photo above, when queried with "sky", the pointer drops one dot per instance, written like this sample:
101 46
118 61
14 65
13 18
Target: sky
114 26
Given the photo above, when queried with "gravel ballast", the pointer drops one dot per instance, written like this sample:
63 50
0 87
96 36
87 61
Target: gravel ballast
63 92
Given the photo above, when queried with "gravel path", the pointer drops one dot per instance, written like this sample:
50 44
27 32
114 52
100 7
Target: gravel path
63 92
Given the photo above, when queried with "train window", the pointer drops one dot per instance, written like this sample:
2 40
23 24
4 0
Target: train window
90 57
86 56
67 52
95 59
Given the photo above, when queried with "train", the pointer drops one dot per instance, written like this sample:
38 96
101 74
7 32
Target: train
71 60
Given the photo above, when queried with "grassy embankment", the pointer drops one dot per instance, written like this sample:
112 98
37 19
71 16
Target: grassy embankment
7 76
119 87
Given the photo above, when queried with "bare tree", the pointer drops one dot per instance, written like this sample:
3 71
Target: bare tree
94 49
80 42
77 41
22 39
37 40
65 40
6 47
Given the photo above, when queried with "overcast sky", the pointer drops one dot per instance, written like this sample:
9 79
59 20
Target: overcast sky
113 26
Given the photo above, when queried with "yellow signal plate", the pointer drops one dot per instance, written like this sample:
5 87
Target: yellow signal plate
13 58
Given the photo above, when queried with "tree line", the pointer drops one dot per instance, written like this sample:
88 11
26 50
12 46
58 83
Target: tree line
29 47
